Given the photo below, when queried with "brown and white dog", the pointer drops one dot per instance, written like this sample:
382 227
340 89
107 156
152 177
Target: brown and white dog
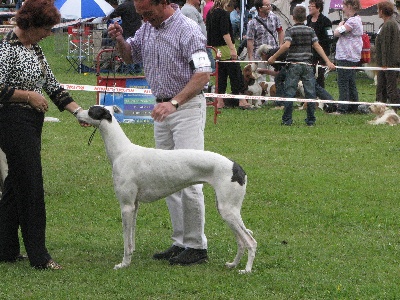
384 115
255 88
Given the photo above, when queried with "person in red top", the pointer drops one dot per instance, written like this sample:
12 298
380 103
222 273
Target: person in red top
206 9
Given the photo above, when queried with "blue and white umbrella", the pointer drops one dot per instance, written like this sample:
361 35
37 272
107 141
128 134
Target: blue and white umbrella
83 9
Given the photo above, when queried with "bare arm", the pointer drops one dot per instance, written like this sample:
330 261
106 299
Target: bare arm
284 47
123 48
281 36
232 48
250 49
342 28
321 53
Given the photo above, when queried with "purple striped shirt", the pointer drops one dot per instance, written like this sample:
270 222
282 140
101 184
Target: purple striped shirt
166 53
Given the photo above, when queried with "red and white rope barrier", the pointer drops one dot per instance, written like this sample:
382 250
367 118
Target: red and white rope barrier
91 88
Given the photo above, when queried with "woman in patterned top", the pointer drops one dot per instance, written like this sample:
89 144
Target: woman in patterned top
24 74
348 54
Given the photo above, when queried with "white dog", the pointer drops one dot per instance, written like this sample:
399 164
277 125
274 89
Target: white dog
384 115
146 174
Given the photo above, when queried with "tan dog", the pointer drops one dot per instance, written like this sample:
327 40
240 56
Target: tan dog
384 115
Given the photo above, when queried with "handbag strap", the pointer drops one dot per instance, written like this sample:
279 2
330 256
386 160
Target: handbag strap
269 31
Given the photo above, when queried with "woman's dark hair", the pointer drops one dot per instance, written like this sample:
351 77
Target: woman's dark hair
319 4
37 13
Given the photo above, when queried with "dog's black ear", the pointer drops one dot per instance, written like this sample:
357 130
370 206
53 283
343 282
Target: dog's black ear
99 113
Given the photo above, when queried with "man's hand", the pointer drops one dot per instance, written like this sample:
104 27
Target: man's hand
115 31
162 110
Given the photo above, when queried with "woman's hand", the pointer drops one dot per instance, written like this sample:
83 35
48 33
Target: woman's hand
234 55
37 101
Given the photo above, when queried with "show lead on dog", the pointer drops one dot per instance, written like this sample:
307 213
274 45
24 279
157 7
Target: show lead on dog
173 51
24 75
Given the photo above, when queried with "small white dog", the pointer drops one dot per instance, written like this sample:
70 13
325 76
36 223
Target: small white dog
384 114
146 175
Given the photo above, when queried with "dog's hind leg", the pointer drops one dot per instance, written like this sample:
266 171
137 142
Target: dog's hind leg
229 205
244 240
129 216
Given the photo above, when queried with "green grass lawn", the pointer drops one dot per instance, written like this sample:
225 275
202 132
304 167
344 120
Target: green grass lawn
322 203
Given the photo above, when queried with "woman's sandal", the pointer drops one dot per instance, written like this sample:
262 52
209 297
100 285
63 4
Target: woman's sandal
50 265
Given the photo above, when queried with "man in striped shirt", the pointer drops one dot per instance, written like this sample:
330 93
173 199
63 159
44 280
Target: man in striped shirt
172 49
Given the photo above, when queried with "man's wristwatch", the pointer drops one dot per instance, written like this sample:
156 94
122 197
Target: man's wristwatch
175 103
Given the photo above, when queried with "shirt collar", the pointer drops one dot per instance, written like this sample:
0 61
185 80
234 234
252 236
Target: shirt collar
172 18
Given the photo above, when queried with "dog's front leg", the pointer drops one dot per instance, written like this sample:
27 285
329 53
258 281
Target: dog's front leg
129 215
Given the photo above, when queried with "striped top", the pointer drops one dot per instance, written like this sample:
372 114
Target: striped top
301 38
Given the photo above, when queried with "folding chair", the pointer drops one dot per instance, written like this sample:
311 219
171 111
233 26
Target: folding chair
80 46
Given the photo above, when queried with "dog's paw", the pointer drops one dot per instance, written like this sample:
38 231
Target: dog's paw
231 265
244 271
120 266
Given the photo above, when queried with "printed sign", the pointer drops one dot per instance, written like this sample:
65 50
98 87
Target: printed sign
136 107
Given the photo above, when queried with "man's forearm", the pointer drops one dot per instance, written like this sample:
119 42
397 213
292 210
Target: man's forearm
124 50
193 87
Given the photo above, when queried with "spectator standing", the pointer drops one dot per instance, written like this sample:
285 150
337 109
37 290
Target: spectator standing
206 9
173 51
396 14
323 29
220 36
348 54
265 28
235 20
298 42
24 75
387 45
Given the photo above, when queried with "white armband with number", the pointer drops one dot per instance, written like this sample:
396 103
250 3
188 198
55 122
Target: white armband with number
341 29
200 62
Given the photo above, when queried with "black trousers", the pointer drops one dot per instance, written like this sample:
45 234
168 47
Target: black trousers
234 72
386 89
22 203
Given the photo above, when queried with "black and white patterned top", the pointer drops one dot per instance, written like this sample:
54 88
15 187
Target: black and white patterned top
27 69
